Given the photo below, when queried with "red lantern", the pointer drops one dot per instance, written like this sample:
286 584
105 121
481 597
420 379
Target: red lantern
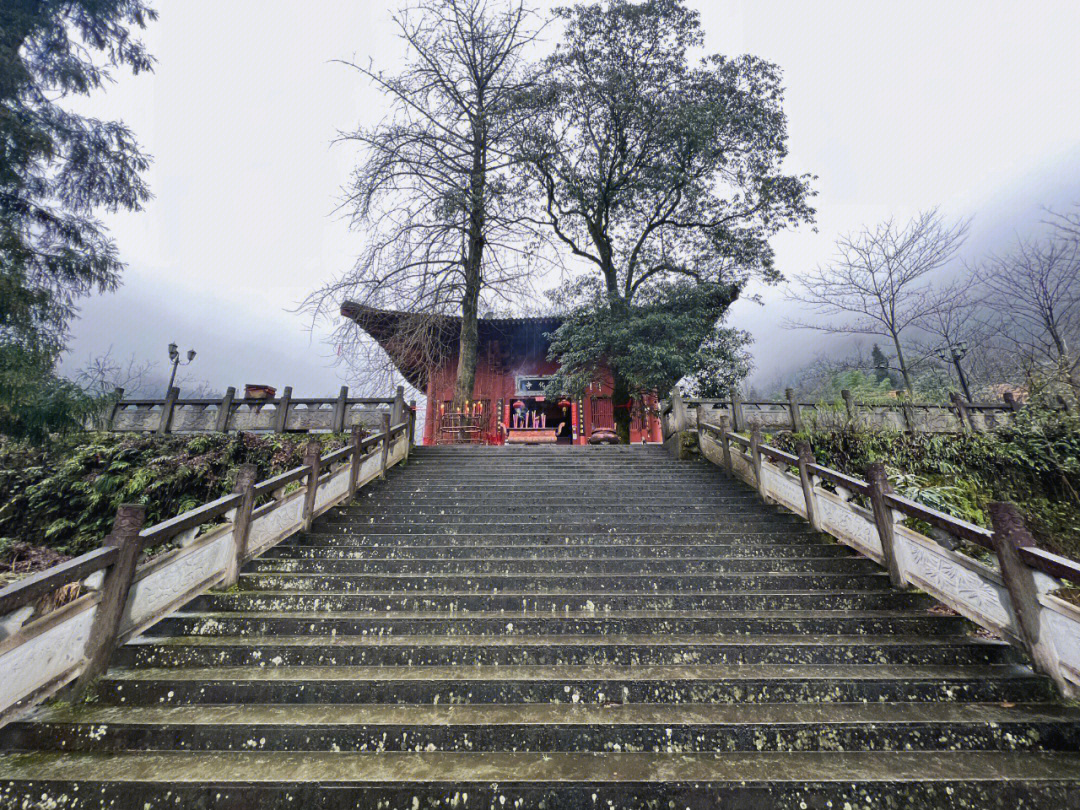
519 404
564 403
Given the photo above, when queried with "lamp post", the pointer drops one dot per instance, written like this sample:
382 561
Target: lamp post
955 354
174 357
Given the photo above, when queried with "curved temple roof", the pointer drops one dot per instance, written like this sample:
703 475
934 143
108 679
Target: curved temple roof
415 341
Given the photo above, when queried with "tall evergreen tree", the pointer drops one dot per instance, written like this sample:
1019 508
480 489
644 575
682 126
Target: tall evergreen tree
56 169
881 363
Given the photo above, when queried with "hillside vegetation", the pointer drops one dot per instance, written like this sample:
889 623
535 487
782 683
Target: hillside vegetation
58 500
1034 463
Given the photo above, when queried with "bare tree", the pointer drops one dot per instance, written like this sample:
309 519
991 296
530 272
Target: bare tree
1034 290
434 192
103 374
880 282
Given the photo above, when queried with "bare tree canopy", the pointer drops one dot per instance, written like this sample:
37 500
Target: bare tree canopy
880 282
434 193
1034 290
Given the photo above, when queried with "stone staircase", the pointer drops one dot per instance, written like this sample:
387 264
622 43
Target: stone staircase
555 628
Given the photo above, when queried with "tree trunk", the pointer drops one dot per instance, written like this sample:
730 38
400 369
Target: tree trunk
469 340
903 366
621 408
470 301
620 395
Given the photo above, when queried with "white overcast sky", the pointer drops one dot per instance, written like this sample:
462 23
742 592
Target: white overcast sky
899 106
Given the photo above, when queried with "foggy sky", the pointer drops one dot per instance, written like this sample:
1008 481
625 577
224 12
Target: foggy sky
970 106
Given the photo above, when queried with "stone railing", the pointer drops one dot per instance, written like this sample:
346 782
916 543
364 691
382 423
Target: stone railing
1014 598
793 415
279 415
117 596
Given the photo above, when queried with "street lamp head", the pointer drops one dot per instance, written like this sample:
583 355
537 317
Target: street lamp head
173 351
190 355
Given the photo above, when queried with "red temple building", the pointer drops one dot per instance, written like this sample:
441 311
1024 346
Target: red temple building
512 371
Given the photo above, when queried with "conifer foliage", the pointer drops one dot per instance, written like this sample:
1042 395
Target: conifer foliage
57 169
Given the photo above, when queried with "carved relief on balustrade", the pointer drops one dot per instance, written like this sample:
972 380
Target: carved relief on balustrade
962 583
49 655
155 592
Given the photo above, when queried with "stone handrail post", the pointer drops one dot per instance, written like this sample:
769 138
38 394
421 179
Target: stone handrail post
385 445
678 412
245 487
1010 534
725 447
737 424
114 591
312 461
962 412
338 425
397 411
796 411
225 410
355 441
118 394
806 458
282 413
885 521
167 410
755 460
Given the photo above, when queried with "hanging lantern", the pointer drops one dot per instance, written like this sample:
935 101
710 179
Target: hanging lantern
564 403
519 404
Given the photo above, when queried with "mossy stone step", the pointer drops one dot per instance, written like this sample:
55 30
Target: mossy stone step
498 623
567 727
600 684
561 603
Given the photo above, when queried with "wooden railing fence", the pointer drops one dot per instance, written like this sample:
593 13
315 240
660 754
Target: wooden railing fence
1014 598
43 650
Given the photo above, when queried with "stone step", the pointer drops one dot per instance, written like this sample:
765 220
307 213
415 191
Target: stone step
563 552
674 526
562 603
560 583
377 536
560 650
543 504
578 566
518 513
548 726
499 623
608 683
655 491
613 519
563 780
